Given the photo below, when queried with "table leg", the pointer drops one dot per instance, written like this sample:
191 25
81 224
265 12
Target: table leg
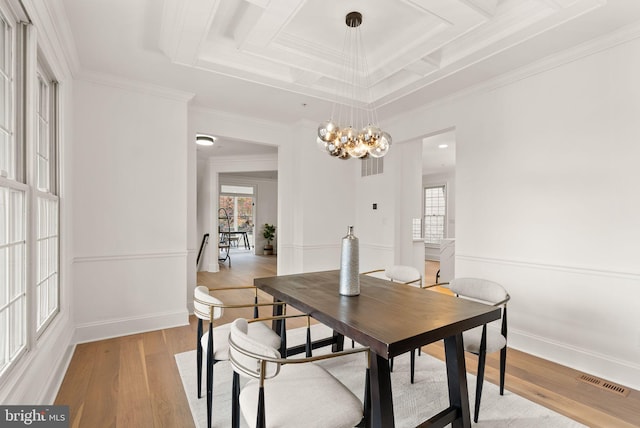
338 342
457 380
381 397
277 326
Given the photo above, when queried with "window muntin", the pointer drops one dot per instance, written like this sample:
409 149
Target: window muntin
43 134
434 214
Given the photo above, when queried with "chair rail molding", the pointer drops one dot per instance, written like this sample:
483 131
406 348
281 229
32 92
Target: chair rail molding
572 315
549 266
131 256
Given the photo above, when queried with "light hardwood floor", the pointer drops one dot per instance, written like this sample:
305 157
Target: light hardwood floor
133 381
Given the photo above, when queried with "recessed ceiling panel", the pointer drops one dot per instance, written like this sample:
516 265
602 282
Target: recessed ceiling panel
297 45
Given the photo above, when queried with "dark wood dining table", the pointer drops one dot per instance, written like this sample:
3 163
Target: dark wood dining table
390 319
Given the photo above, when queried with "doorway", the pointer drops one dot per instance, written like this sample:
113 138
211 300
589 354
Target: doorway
438 199
239 205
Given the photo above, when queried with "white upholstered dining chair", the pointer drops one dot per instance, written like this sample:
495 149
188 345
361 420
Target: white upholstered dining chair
482 340
290 392
214 343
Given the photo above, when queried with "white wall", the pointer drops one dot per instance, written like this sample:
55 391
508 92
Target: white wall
193 238
385 233
376 228
317 204
203 214
129 209
409 189
546 204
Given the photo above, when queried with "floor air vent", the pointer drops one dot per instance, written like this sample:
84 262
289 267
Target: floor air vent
603 384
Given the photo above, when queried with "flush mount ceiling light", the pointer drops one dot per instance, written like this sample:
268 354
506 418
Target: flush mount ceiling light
351 132
205 140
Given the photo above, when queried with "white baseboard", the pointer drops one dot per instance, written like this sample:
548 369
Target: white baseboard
618 371
591 329
124 326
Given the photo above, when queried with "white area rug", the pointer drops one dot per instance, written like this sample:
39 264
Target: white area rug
412 404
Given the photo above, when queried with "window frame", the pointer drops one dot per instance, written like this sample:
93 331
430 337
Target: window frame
51 194
252 195
12 171
23 188
444 188
15 180
29 61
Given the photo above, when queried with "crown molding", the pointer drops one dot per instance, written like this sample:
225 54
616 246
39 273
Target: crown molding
599 44
226 116
608 41
50 19
134 85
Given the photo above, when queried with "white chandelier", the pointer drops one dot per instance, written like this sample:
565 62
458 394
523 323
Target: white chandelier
360 137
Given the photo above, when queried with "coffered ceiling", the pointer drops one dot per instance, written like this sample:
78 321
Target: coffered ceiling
279 60
296 45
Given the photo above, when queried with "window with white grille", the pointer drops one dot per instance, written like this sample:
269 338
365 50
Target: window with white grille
13 300
46 210
47 260
13 209
43 136
435 210
29 202
416 228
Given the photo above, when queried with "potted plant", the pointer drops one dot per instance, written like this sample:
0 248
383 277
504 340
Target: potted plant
268 233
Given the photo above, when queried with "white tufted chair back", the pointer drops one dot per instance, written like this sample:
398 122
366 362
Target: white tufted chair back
203 303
